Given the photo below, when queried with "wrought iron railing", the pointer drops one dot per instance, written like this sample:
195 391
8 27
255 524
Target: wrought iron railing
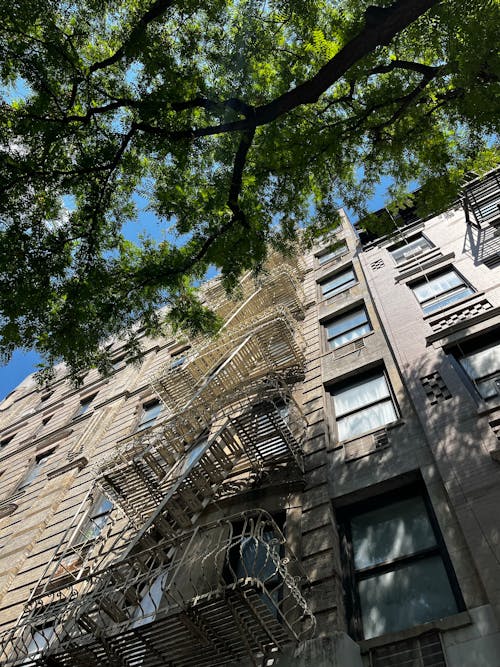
263 430
215 595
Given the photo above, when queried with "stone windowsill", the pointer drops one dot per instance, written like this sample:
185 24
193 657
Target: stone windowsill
454 622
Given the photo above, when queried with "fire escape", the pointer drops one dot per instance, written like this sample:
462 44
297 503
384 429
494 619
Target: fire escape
166 577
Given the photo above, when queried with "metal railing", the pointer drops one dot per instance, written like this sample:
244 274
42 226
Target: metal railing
263 430
213 596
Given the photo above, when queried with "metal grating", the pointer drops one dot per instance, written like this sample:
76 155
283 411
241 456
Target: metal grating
423 651
483 199
215 595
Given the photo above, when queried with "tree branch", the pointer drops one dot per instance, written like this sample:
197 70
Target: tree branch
158 8
426 70
379 29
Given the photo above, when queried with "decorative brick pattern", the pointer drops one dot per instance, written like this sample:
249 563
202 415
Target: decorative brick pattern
435 388
377 264
466 313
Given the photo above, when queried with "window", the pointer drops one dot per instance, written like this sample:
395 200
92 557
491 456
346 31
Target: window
5 441
35 469
44 398
84 405
333 252
96 520
40 639
347 327
410 247
338 283
249 557
363 406
151 597
441 290
481 362
118 362
400 574
149 415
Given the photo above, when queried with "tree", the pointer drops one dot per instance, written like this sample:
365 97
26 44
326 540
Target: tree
239 120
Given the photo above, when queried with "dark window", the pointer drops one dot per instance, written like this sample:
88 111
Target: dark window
338 283
35 469
362 406
440 290
409 248
149 414
333 252
400 574
347 327
5 441
249 557
84 405
480 359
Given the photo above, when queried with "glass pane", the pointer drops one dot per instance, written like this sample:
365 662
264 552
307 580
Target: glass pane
150 602
362 393
254 558
482 363
192 457
366 420
489 388
399 529
40 639
149 415
338 283
437 285
349 336
406 597
332 253
349 321
410 249
103 506
446 299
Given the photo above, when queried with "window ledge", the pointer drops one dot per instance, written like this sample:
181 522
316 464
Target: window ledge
486 408
456 304
448 331
330 301
454 622
334 260
425 263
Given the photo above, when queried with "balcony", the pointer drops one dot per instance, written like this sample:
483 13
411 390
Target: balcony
220 594
157 473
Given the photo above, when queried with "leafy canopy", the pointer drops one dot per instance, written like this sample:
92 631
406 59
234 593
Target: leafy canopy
237 119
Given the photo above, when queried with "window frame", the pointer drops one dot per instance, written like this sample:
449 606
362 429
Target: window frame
436 298
90 520
34 469
342 288
144 426
372 373
361 306
84 402
351 576
405 242
487 340
327 255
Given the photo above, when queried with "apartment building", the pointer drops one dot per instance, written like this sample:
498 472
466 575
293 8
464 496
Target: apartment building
318 485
